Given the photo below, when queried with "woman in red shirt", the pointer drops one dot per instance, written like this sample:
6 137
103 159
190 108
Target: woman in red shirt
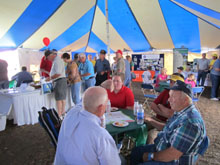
121 97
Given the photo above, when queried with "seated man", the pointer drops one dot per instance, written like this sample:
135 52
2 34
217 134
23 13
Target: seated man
121 96
147 77
82 140
23 76
182 138
162 109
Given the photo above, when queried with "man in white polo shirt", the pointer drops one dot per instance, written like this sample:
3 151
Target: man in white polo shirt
57 75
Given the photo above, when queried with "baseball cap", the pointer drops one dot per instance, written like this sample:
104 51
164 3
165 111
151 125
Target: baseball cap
119 51
181 86
102 52
54 51
180 67
214 55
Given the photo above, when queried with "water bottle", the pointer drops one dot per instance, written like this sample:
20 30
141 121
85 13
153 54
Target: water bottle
14 85
140 115
108 107
103 122
136 106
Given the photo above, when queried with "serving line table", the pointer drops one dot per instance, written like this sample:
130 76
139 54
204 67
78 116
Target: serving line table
139 132
23 107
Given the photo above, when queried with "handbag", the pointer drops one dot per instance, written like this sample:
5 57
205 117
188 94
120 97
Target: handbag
133 75
128 143
47 87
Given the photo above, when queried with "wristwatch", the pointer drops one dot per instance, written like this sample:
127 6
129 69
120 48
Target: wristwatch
150 156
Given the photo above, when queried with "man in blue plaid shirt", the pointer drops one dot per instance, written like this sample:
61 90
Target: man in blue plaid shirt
182 138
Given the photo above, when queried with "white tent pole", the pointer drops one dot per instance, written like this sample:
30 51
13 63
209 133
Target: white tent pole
107 29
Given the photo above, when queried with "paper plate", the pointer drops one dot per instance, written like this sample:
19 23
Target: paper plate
120 124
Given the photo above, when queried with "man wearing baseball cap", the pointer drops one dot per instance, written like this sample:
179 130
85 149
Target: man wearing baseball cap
162 109
180 70
102 68
183 137
120 66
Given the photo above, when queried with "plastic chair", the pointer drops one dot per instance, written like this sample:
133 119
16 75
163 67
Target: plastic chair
146 89
197 92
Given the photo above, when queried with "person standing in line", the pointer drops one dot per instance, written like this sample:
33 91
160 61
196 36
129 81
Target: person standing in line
57 75
102 68
73 78
120 66
127 73
215 78
131 63
203 68
86 71
214 58
76 59
45 65
93 61
3 74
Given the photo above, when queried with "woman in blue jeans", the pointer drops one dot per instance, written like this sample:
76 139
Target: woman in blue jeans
73 78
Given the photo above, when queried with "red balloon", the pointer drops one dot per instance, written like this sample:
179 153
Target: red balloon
46 41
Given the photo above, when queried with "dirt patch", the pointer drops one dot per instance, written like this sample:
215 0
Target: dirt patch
31 145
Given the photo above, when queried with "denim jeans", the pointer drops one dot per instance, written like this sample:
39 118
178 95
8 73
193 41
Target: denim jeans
215 85
138 152
201 74
75 90
89 83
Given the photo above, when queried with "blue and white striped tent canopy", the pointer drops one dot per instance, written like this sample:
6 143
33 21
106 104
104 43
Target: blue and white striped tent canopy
135 25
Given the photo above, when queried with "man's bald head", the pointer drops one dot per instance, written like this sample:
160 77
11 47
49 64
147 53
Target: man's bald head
93 98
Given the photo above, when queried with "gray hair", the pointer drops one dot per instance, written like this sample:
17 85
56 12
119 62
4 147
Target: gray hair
82 55
94 97
184 95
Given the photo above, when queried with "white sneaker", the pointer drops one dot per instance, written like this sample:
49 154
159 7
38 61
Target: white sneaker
214 99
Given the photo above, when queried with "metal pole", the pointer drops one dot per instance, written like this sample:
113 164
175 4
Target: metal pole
107 29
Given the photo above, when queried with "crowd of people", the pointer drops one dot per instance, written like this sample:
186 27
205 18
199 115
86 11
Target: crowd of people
204 66
177 133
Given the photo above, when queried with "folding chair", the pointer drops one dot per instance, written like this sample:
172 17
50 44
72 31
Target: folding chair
197 92
149 93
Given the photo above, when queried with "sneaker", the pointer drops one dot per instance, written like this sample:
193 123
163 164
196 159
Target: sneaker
214 99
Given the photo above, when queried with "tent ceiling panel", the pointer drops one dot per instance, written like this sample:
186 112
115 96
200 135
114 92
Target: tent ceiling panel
96 44
153 23
75 32
29 22
59 22
183 26
77 44
99 28
88 49
209 35
10 12
211 4
208 15
125 24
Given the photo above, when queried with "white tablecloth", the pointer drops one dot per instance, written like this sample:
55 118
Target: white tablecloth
25 105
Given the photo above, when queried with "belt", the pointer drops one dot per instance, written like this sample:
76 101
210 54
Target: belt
59 79
91 77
